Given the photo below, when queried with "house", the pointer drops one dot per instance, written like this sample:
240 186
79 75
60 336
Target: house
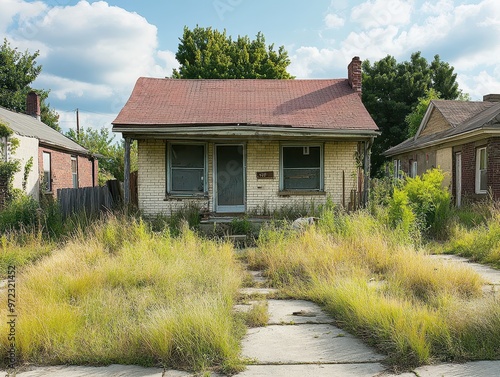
57 161
244 146
463 139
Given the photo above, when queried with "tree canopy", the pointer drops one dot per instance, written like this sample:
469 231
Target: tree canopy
392 90
17 72
205 53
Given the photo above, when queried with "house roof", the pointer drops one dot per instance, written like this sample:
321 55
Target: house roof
464 117
313 104
25 125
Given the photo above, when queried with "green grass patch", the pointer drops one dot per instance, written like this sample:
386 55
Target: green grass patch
119 293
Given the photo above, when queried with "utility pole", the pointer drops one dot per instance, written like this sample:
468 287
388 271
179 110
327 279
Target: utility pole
77 123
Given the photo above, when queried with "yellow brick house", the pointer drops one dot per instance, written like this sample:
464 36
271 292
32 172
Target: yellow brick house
238 146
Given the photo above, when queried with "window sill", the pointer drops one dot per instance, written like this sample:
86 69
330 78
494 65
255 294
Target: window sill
301 193
185 196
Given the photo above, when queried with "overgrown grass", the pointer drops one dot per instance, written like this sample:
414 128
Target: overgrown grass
119 293
381 287
21 248
480 243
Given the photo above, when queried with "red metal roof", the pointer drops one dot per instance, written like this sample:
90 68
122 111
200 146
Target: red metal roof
321 104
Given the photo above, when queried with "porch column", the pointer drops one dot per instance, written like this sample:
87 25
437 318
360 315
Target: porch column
126 172
367 163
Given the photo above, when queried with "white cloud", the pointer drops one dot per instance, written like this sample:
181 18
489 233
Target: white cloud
332 21
91 53
380 13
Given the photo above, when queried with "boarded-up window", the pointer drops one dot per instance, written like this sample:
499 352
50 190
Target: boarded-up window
302 168
187 168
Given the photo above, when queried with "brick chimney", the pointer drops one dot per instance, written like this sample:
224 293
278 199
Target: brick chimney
354 74
33 105
491 98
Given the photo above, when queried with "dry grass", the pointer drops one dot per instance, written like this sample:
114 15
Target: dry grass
121 294
384 290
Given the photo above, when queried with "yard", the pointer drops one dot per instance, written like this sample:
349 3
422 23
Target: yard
126 291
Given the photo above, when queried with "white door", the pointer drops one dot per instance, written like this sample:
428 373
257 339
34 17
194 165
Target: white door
458 179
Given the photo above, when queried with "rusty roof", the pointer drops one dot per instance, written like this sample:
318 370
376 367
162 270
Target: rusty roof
320 104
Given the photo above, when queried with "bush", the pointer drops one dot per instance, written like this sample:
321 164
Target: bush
20 213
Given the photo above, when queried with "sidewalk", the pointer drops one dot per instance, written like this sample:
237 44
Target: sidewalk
302 340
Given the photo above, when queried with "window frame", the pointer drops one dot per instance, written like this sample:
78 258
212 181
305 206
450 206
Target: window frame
74 174
47 182
321 167
170 191
478 169
397 169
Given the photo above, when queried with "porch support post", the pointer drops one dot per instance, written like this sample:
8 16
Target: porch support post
367 164
126 178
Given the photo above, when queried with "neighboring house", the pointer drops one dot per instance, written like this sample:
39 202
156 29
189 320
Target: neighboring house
463 139
247 146
58 162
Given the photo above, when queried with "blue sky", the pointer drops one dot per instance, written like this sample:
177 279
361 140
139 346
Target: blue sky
92 52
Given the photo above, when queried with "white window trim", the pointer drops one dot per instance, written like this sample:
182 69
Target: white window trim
49 182
414 168
397 169
478 171
170 192
321 166
73 174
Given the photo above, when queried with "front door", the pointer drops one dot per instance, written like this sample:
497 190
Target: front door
230 178
458 179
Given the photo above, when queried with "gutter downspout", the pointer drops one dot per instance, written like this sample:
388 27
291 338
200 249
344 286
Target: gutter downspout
367 164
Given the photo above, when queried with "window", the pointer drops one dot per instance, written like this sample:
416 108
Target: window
302 168
413 168
481 171
187 169
397 169
74 171
47 172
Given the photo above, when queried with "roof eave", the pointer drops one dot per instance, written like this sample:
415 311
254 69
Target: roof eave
465 135
238 131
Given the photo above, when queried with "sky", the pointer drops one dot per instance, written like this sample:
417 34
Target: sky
92 52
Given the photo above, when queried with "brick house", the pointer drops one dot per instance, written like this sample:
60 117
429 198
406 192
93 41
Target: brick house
243 146
463 139
58 162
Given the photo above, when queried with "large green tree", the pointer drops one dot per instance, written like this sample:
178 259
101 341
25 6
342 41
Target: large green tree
111 154
392 90
205 53
17 72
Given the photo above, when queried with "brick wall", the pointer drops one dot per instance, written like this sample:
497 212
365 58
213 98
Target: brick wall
62 176
494 166
261 156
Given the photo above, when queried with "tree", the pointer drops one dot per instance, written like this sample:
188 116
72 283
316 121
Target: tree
17 72
391 91
112 154
211 54
414 118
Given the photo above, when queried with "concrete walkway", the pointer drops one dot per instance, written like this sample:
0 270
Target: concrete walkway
301 340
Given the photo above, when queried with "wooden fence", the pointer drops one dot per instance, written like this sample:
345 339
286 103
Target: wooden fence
91 200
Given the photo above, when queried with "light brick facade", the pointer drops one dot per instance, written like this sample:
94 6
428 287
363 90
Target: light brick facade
261 155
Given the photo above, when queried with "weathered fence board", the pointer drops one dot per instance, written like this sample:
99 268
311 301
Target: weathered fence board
90 200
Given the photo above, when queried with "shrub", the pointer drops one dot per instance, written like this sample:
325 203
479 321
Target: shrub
20 213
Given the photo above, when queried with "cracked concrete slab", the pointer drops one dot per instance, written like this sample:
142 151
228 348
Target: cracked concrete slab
316 370
257 291
109 371
296 311
472 369
308 343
